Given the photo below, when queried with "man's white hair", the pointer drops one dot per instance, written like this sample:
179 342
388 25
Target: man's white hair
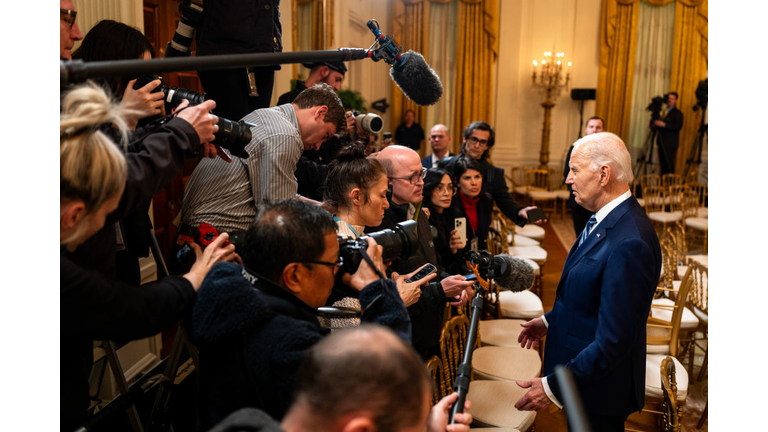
605 148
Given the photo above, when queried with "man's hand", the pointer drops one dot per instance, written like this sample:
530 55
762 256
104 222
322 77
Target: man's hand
142 101
204 122
659 123
535 399
532 333
455 285
350 121
461 298
438 417
365 274
524 214
215 252
410 292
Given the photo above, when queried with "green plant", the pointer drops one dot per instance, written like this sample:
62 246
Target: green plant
352 100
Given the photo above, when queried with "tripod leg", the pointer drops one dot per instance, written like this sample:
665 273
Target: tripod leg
122 385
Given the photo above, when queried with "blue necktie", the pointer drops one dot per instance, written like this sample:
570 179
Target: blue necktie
585 233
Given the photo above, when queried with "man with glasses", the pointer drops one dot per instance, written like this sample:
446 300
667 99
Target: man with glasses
406 177
254 323
440 140
70 32
478 140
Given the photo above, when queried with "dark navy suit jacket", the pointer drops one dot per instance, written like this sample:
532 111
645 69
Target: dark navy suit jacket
597 325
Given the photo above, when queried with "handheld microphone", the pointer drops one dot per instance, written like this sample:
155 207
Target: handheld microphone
410 71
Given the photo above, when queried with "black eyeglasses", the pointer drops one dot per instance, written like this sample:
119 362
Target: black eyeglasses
71 13
473 140
336 266
414 178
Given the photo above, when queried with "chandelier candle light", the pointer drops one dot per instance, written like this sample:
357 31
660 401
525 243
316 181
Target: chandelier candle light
550 79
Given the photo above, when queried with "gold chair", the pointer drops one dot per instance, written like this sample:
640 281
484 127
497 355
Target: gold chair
666 333
539 192
699 302
672 408
506 304
701 191
518 186
657 202
435 367
669 181
452 342
696 227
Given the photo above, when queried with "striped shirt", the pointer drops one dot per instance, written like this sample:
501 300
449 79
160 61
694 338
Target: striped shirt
225 195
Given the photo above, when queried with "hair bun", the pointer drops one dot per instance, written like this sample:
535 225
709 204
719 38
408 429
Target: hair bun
351 152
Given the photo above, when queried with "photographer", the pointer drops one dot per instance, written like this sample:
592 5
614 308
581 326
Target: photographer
254 323
239 27
225 195
356 186
668 134
406 177
93 175
331 73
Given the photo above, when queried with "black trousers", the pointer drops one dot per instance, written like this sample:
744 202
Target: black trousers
230 89
667 156
602 423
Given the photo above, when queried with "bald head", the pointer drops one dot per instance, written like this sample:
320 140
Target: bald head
440 140
404 170
362 371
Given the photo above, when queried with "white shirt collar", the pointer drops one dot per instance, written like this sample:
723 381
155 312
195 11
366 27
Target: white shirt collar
603 212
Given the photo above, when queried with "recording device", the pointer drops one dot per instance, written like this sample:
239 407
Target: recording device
461 228
233 136
370 122
509 273
398 243
702 95
191 13
427 270
536 215
409 71
655 107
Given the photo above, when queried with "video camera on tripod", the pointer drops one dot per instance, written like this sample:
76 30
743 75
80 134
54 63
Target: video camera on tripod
655 108
233 136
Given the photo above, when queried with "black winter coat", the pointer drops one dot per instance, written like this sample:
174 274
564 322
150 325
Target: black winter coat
252 339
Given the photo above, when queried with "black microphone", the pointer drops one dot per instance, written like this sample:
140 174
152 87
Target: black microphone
512 274
410 71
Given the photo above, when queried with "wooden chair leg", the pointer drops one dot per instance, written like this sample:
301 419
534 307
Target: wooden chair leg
703 416
703 366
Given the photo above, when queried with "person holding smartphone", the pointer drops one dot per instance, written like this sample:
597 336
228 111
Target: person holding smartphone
472 206
439 193
356 187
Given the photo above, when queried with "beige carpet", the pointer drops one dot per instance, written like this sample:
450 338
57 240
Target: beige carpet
563 228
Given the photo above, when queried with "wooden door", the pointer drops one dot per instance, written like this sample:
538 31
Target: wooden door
161 18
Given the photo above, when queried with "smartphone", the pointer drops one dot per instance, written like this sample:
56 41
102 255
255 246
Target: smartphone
461 228
536 215
426 271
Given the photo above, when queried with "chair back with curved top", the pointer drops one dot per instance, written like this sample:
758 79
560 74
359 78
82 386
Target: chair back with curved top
661 332
435 368
672 411
452 342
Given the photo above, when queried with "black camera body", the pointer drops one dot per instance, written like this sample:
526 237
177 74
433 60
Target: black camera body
655 107
397 243
233 136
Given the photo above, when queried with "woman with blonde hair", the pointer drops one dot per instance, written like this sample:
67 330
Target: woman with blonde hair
93 174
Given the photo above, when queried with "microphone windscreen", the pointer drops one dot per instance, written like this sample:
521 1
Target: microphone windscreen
417 80
516 275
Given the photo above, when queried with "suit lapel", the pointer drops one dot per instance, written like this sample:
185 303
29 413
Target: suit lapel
598 235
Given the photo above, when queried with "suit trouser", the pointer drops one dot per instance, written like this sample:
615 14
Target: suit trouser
230 89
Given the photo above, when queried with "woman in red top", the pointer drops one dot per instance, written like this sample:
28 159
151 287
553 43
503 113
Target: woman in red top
472 203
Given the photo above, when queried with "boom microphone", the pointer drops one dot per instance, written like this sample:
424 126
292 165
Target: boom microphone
512 274
410 71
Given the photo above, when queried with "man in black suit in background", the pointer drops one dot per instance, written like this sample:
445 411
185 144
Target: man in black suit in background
668 134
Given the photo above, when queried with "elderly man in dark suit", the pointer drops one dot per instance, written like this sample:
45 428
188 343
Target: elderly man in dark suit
668 134
596 328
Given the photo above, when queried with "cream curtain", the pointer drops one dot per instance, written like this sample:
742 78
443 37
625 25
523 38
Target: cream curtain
476 48
442 47
653 67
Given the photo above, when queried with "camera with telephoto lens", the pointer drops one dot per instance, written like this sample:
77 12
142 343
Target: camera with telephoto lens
702 95
370 122
233 136
397 243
